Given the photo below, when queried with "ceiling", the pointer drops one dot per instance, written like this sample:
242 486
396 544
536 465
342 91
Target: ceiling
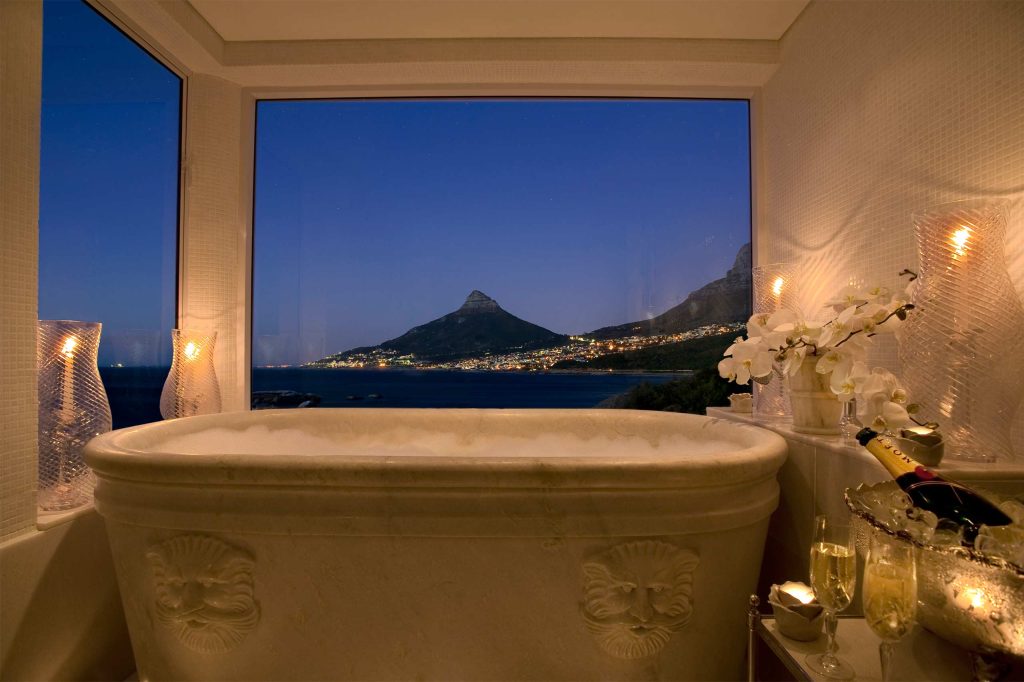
276 20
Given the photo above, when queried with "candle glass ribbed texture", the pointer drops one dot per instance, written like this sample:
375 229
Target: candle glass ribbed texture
774 288
191 387
73 408
961 349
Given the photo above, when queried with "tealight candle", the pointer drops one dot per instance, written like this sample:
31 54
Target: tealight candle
798 614
741 402
67 380
922 443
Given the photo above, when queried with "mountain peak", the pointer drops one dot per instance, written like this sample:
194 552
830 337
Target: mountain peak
479 302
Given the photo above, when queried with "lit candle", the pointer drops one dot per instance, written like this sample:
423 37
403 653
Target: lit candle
67 380
798 615
777 291
191 355
802 593
959 240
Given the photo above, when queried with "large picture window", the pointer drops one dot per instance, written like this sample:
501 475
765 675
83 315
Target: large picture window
495 253
108 214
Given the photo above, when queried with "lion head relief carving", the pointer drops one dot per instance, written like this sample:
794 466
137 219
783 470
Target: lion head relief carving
204 591
635 595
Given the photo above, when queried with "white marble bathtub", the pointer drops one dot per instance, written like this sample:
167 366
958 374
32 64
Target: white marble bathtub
366 544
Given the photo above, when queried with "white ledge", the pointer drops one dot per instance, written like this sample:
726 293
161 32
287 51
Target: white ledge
49 519
835 444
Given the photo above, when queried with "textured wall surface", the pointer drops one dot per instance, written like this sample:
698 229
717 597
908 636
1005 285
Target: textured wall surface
880 109
215 254
21 23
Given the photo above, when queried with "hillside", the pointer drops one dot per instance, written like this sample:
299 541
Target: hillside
694 395
479 327
695 354
723 300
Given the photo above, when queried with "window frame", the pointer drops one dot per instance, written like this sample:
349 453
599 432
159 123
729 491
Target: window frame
511 92
182 74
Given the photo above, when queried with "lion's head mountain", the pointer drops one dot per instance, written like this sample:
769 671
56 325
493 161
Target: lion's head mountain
482 327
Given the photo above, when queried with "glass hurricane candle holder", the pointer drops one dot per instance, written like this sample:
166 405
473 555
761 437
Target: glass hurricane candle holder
961 349
191 387
774 289
73 409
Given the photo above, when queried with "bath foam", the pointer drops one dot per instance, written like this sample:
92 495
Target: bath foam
412 442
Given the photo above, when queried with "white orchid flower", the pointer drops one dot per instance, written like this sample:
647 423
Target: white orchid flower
895 415
871 315
749 358
727 368
808 330
893 323
845 383
793 360
756 325
880 401
848 296
737 341
780 336
781 317
878 295
842 326
833 360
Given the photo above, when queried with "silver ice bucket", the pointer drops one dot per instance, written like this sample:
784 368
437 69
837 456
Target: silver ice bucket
970 599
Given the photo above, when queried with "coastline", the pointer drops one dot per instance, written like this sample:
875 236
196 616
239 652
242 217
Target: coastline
598 372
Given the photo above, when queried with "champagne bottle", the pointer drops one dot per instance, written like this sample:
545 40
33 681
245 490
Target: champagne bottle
927 490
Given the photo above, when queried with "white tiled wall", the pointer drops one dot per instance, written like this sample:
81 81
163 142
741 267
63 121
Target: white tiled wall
20 80
880 109
215 253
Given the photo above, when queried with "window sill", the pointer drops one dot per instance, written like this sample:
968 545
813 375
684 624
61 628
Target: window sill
835 444
51 519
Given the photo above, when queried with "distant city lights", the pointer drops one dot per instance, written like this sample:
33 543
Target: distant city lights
579 348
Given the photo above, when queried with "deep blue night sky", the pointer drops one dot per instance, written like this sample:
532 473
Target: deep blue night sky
108 196
572 214
375 216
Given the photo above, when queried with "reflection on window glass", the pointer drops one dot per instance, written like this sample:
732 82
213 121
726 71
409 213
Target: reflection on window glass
482 253
108 200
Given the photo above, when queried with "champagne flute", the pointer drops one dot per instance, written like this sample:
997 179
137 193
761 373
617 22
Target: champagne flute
833 577
890 594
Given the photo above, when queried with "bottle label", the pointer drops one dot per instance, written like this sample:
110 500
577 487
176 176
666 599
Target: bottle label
892 457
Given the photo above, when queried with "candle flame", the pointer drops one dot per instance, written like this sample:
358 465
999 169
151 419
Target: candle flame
191 350
959 240
68 350
800 591
777 286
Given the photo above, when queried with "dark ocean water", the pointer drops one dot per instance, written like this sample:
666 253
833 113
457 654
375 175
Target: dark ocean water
438 388
134 392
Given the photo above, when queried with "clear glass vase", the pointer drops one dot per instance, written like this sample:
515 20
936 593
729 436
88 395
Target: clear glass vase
961 347
73 409
191 387
774 288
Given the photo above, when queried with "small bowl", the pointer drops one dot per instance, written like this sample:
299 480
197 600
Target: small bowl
741 402
927 449
802 622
